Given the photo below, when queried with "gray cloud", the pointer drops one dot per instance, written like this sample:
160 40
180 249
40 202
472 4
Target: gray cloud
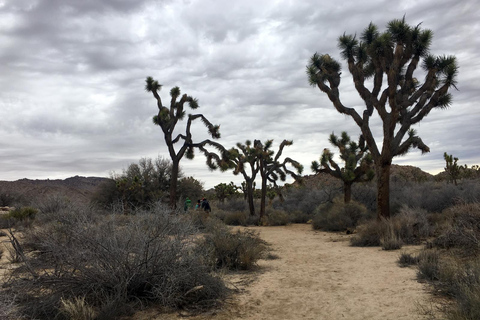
71 87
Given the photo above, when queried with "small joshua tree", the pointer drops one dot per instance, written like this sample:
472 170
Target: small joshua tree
168 117
272 169
452 168
223 190
245 162
358 163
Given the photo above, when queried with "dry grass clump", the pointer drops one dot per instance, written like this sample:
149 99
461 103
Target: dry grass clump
112 263
409 226
339 216
77 309
238 250
407 259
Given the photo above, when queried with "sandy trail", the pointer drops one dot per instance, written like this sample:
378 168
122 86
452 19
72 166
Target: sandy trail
319 276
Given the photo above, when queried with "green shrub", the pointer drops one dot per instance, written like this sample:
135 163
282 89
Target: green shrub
22 214
338 216
233 250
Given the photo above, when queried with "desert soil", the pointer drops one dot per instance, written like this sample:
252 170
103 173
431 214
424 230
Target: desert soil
319 276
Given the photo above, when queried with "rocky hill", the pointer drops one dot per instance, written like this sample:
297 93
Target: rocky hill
397 173
75 188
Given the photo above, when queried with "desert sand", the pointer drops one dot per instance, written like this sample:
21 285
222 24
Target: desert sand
319 276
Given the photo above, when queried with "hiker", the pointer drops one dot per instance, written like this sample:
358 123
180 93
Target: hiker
188 204
205 205
198 205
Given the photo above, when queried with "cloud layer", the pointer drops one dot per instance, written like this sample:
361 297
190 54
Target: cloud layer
71 86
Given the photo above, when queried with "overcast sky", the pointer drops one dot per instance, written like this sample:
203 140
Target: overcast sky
72 98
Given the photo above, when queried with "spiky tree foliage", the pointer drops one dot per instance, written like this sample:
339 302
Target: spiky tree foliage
358 162
272 169
388 59
246 162
168 117
452 168
223 190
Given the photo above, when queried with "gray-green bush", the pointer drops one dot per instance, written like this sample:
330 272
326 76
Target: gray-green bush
339 216
113 262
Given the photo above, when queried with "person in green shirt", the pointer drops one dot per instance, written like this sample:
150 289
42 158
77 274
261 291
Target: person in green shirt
188 204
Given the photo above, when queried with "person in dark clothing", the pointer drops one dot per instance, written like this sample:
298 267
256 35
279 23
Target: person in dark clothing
205 205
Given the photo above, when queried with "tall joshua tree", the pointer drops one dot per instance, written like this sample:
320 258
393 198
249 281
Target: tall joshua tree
357 159
388 60
272 169
168 117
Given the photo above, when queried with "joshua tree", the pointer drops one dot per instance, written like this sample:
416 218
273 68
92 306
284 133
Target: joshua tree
272 169
223 190
352 154
452 168
246 162
167 119
388 59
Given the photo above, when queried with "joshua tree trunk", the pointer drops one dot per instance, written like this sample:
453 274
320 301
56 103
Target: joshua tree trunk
173 183
264 195
347 191
251 206
383 191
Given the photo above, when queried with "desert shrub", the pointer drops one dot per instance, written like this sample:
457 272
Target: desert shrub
366 194
391 240
113 262
464 230
369 234
409 226
77 309
276 218
467 292
22 214
428 265
407 259
7 306
306 200
233 204
233 250
298 216
338 216
236 218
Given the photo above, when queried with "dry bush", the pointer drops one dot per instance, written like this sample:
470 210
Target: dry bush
298 216
428 265
339 216
233 204
238 250
463 232
466 290
113 262
410 226
77 309
407 259
7 306
306 200
236 218
276 218
391 239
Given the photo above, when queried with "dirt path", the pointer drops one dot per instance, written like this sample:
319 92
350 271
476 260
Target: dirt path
319 276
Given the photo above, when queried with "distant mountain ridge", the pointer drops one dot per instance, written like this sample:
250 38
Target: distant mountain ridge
75 188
